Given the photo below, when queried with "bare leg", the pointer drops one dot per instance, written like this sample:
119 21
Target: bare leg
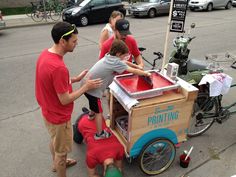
60 162
51 147
98 119
118 163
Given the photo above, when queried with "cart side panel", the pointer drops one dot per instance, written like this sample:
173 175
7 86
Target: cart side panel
173 115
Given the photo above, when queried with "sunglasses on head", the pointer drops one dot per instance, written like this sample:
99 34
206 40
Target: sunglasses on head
70 32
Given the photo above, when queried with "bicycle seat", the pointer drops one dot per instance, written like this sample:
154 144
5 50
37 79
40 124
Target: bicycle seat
141 49
194 65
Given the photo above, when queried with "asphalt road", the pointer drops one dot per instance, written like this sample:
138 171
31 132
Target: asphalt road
24 141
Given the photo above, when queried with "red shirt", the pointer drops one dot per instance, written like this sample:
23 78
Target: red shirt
99 150
52 78
130 42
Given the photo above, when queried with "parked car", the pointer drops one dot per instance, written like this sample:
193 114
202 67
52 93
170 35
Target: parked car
209 5
2 22
150 8
234 3
92 11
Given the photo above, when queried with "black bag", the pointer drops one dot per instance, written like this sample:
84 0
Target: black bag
77 136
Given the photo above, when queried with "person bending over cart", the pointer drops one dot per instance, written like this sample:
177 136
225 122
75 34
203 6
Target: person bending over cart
108 152
112 63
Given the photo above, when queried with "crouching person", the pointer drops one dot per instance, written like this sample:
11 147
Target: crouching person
107 152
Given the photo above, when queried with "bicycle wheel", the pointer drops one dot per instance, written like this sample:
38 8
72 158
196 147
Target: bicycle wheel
204 113
55 13
28 11
157 156
37 16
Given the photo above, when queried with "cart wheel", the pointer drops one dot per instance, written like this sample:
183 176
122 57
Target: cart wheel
157 156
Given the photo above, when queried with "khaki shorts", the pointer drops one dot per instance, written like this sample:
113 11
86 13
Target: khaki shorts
61 136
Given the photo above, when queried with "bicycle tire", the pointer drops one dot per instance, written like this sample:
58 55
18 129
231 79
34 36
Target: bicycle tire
204 113
157 156
37 16
55 15
28 11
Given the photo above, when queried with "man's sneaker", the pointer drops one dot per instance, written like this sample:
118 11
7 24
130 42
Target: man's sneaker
103 135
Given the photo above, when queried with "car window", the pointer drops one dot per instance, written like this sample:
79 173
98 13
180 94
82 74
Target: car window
113 1
97 2
152 1
83 3
165 0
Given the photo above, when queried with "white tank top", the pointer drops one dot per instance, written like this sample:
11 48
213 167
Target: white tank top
109 29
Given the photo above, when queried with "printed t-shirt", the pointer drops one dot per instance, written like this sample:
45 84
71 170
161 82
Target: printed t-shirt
129 41
52 78
99 150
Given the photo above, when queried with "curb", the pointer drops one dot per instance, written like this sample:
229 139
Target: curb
28 25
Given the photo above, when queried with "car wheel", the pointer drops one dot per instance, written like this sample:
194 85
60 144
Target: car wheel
209 7
152 13
229 5
191 9
83 20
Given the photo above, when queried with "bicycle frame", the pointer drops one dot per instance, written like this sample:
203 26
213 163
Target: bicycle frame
207 111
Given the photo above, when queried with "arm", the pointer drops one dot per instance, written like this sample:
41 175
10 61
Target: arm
139 61
138 72
103 37
67 97
133 65
79 77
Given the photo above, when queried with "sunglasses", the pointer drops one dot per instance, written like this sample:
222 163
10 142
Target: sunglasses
70 32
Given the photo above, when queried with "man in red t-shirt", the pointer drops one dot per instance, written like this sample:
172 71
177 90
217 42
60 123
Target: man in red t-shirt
122 32
108 152
54 93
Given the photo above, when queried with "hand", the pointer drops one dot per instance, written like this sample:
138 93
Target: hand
92 84
82 74
148 74
79 77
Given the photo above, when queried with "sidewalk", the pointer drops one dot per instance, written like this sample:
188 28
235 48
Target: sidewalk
14 21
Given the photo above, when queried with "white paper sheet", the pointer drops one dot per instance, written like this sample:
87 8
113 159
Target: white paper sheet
219 83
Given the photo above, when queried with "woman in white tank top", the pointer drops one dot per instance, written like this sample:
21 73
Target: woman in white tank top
108 30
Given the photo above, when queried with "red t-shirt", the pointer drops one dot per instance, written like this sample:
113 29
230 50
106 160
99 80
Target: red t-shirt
52 78
130 42
99 150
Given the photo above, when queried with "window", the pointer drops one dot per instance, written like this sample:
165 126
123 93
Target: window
113 1
97 2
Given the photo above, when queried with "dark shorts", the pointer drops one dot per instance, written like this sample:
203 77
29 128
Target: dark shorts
94 103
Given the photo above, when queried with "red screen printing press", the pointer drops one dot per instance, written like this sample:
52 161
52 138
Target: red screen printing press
139 88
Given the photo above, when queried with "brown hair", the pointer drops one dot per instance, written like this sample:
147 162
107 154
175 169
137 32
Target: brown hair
115 14
118 46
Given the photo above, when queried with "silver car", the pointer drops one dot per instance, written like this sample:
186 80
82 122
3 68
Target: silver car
2 23
150 8
234 3
209 5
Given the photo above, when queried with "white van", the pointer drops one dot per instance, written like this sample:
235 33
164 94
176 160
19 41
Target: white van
209 4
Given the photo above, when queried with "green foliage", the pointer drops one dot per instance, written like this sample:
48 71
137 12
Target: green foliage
13 11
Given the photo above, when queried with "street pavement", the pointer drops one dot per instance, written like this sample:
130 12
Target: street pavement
218 162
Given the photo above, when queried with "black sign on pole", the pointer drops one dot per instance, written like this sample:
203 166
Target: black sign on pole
178 15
